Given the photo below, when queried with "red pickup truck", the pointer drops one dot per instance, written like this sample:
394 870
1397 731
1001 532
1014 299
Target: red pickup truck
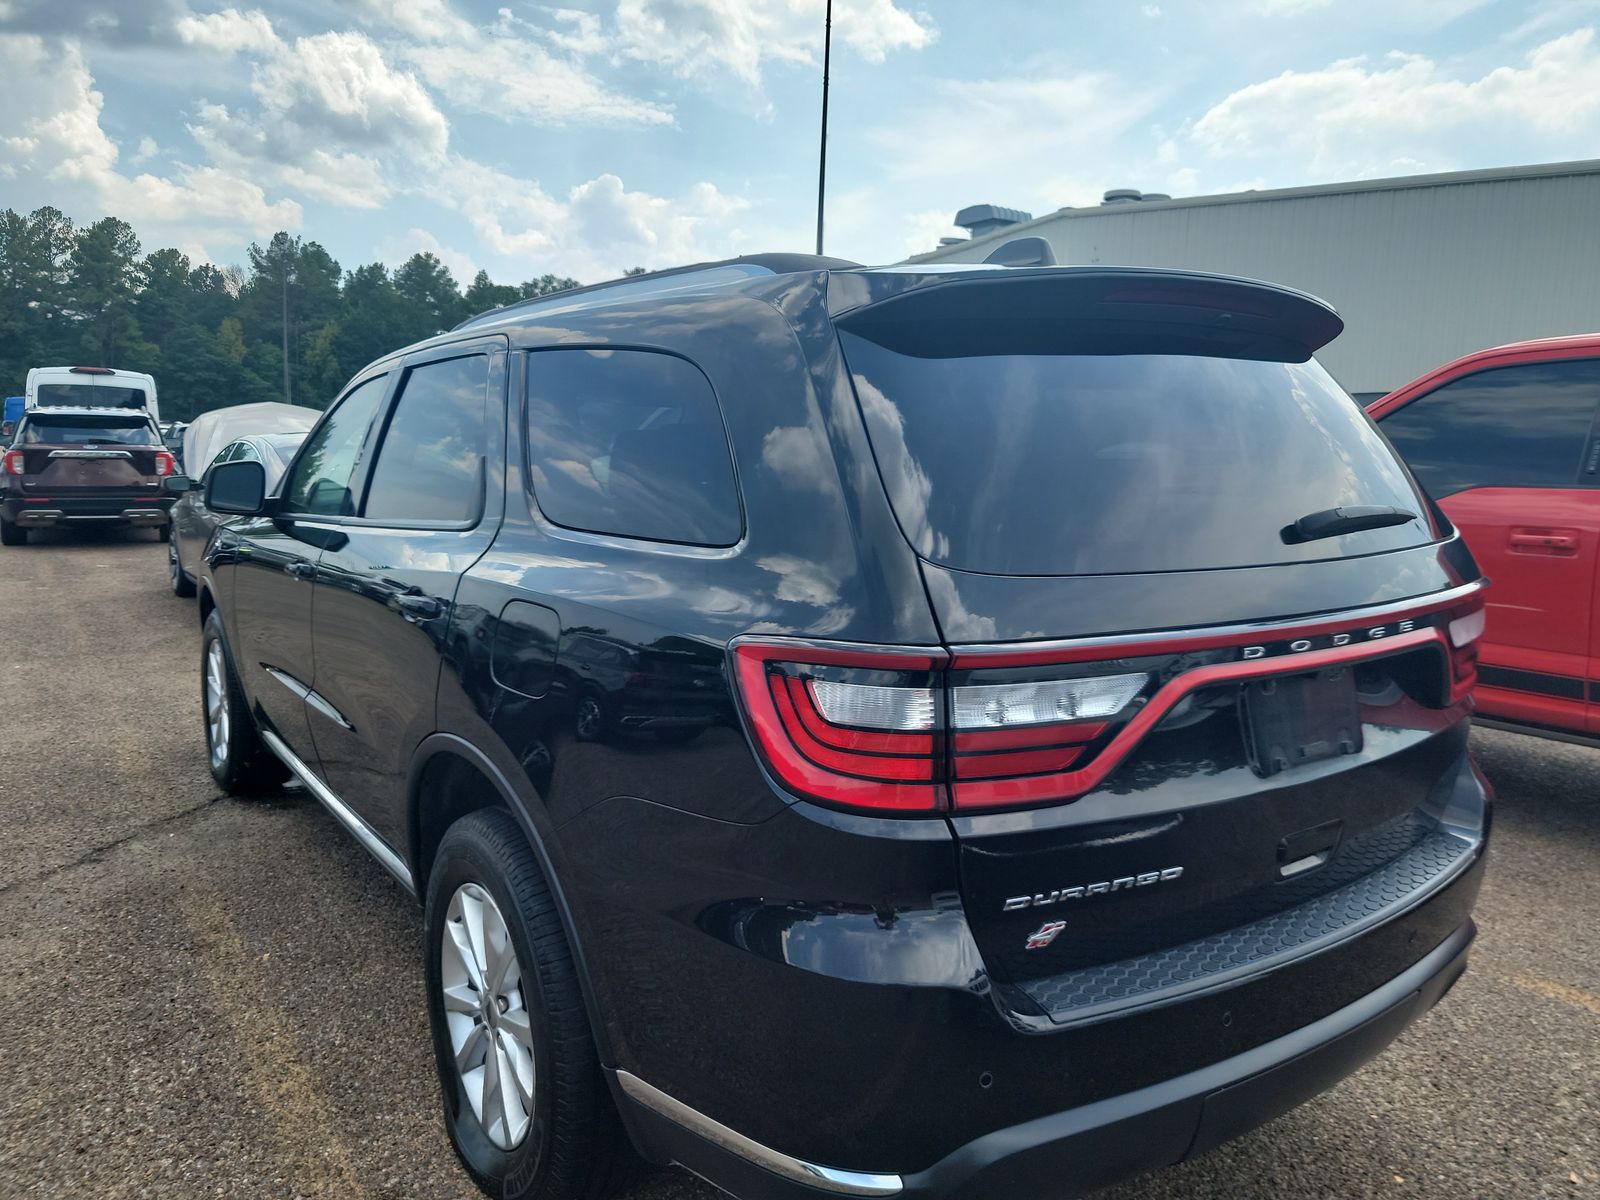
1505 441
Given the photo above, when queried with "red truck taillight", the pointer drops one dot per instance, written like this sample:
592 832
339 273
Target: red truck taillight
13 463
165 463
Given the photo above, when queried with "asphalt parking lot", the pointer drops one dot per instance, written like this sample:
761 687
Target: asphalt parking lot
206 997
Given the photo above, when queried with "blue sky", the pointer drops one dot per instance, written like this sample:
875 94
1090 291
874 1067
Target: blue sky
587 138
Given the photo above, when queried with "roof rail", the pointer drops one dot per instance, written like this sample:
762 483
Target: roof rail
776 263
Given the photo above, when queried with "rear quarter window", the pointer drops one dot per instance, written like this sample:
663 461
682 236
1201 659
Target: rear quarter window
630 442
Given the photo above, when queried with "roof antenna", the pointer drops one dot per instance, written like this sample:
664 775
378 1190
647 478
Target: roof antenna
822 161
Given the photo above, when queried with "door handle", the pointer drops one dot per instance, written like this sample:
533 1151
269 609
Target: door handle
417 608
1552 542
301 569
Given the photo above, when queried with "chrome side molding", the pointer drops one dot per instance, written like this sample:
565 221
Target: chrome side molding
315 699
346 816
842 1183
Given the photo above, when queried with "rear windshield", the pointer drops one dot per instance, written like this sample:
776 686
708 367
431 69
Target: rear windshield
89 395
81 431
1110 464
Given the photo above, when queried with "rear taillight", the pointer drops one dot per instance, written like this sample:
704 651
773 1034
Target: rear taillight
854 727
1466 627
921 730
165 463
13 463
1030 727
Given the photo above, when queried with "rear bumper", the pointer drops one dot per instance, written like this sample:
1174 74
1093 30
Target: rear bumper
1068 1153
87 510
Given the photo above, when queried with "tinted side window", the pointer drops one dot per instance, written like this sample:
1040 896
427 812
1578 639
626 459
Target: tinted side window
430 465
630 442
1522 426
320 483
245 452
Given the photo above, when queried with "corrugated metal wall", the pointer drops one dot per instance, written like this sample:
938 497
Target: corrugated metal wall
1421 274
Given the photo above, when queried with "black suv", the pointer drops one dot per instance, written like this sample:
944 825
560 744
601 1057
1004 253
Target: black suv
865 732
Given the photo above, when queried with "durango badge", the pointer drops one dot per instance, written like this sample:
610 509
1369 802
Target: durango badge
1104 888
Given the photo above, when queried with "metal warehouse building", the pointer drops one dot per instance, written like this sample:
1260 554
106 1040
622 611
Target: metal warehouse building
1423 268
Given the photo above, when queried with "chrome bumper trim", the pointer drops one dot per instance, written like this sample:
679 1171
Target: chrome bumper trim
842 1183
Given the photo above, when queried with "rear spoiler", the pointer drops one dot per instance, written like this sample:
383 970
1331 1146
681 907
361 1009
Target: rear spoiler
1089 311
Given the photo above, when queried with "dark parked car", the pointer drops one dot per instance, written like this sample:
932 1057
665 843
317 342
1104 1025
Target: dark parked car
193 523
1505 441
1070 703
83 466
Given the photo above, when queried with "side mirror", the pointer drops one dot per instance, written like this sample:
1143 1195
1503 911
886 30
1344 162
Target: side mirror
238 488
177 485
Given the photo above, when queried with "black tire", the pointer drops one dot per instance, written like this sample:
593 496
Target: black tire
12 534
244 766
165 532
182 585
575 1147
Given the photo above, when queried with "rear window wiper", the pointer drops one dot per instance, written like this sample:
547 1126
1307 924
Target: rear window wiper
1351 518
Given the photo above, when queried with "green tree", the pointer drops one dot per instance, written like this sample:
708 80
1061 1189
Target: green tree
320 372
370 317
34 253
544 285
484 294
430 300
102 277
216 335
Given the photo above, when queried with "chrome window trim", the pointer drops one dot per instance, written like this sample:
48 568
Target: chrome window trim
830 1179
342 812
1265 630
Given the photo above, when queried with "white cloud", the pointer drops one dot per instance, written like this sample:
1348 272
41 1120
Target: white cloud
508 75
598 230
693 37
577 32
1355 117
50 128
330 113
425 19
148 149
396 249
229 31
1019 130
507 69
338 85
1375 13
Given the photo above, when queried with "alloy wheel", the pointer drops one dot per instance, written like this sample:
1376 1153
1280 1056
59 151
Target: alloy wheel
218 719
491 1036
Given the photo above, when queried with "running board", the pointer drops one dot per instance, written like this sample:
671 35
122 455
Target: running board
1479 721
346 816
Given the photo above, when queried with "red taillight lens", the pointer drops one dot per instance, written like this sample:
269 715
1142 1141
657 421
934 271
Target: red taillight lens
923 730
852 727
13 463
165 463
